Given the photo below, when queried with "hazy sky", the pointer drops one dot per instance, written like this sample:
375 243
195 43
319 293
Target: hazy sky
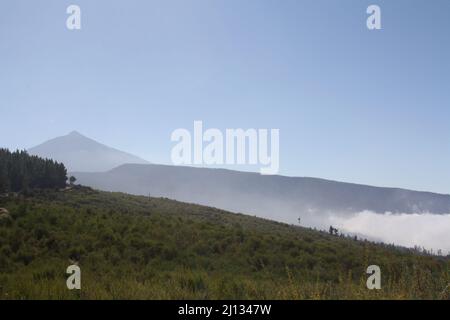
351 104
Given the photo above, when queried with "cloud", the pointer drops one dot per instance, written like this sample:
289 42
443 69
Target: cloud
431 231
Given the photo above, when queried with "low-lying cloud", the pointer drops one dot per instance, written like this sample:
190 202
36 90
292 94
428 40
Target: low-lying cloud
430 231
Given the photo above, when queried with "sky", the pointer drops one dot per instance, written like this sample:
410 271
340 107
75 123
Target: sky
352 104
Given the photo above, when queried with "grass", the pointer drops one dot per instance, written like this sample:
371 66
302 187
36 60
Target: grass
132 247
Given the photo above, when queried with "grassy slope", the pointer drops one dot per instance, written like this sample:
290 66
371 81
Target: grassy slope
147 248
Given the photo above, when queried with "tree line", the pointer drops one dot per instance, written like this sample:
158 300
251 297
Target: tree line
20 171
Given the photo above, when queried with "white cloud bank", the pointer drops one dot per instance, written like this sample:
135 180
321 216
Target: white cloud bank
431 231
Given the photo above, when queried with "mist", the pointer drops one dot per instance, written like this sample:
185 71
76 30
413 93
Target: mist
431 231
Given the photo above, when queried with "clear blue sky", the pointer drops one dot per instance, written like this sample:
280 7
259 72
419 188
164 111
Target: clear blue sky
351 104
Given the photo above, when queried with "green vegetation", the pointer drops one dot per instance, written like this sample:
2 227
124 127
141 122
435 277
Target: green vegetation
131 247
21 172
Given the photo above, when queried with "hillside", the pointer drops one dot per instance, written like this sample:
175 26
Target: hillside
135 247
275 197
80 153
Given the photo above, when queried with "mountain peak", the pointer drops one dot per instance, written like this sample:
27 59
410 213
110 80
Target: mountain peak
80 153
75 133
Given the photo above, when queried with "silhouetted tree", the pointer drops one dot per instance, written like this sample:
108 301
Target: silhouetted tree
333 231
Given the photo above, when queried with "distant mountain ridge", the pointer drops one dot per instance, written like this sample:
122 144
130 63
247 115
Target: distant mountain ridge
275 197
278 198
80 153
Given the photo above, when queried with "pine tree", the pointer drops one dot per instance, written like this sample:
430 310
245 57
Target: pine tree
20 172
4 179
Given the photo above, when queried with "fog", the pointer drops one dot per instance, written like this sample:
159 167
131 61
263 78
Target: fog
431 231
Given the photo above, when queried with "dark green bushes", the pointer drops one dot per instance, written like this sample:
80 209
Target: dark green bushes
136 247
